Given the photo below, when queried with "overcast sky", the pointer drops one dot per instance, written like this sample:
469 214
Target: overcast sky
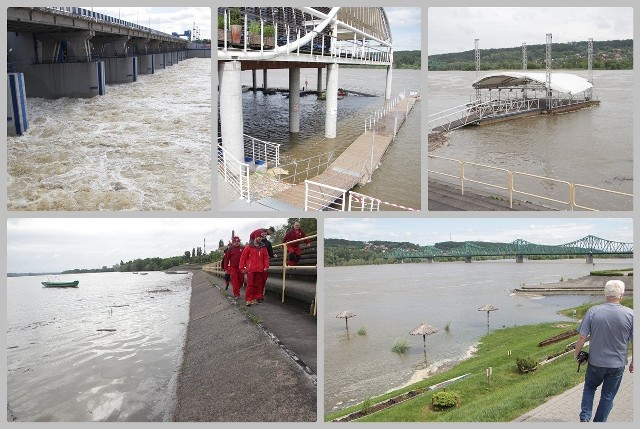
406 27
165 19
454 29
431 231
51 245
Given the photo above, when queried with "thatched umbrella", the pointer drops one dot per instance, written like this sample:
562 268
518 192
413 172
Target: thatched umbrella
424 330
346 314
488 308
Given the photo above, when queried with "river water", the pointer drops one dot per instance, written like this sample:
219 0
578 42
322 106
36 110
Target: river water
267 117
391 300
143 146
591 146
60 367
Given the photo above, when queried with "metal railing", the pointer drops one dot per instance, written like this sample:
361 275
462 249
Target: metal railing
286 267
361 202
260 150
234 172
299 170
319 197
509 184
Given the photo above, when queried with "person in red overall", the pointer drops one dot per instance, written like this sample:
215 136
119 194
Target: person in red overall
264 232
231 262
227 275
254 261
293 249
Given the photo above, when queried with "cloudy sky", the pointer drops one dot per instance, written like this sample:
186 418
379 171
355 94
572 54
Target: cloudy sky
48 245
454 29
165 19
406 27
431 231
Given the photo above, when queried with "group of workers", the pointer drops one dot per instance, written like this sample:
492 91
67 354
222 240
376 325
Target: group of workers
252 260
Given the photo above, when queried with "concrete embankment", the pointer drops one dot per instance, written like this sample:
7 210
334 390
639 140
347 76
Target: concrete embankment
232 371
587 285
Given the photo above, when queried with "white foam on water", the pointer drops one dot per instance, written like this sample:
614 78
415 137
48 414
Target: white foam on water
143 146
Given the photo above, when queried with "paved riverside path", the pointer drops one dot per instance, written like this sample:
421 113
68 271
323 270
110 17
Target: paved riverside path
232 371
353 166
566 406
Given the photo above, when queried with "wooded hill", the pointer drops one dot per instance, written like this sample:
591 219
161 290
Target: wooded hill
607 55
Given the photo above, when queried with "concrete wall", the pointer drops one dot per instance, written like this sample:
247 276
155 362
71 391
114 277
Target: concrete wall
146 64
21 50
80 80
121 70
159 60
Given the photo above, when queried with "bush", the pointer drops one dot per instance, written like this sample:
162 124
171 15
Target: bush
443 400
362 331
400 346
526 364
365 407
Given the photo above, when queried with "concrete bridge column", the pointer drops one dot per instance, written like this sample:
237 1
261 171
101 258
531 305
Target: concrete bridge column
519 259
140 45
430 260
294 100
387 89
17 120
254 80
146 64
231 128
110 46
74 80
319 85
590 259
467 259
77 43
331 113
121 70
153 46
264 79
158 61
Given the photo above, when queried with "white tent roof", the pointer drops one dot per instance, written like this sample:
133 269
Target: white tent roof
562 82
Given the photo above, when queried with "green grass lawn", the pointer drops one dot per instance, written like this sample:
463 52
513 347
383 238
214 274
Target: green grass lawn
510 394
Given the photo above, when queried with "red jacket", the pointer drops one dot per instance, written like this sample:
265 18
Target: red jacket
295 234
254 259
232 257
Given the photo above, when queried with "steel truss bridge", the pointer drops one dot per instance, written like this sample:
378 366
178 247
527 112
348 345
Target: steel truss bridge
588 246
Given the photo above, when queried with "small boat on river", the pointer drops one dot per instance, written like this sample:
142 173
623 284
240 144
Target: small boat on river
60 283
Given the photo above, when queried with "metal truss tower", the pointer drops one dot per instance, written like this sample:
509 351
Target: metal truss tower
590 59
524 56
477 66
548 64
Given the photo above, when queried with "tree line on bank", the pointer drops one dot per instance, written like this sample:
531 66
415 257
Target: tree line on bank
607 55
340 252
196 255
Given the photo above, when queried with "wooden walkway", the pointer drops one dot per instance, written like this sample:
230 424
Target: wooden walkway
353 166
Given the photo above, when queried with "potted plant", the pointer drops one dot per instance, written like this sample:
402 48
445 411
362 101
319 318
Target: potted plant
269 32
221 30
254 34
268 35
235 24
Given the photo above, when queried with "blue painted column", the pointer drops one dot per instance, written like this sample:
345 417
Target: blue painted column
17 121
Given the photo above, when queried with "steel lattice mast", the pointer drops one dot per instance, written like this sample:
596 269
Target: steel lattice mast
548 64
477 47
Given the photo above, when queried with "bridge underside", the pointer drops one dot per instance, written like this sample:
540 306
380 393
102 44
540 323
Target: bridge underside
276 65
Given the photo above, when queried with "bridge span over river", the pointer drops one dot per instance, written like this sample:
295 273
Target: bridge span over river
588 246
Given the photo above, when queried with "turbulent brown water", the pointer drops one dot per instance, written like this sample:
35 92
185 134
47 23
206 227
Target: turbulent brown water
144 145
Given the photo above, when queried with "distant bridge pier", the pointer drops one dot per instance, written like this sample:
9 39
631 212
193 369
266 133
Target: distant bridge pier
294 100
331 113
519 259
387 89
159 61
467 259
430 260
319 84
590 258
146 64
231 128
121 69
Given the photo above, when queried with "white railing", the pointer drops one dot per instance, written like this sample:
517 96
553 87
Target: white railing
361 202
300 170
235 173
507 181
260 150
371 123
319 197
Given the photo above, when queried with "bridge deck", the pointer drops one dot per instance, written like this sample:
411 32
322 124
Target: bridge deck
352 166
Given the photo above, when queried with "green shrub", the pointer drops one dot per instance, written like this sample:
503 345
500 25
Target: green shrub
400 346
220 22
234 16
447 328
443 400
526 364
365 407
254 27
362 331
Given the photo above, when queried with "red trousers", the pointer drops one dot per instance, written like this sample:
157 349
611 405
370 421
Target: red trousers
237 278
254 283
263 282
293 254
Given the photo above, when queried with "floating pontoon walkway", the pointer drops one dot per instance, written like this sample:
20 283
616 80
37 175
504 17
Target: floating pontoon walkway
353 166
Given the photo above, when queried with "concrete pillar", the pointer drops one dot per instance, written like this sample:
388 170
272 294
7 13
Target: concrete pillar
146 64
254 80
590 259
264 79
319 85
154 46
110 46
77 46
387 89
121 70
231 108
331 113
519 259
294 100
467 259
74 80
158 61
430 260
140 45
17 121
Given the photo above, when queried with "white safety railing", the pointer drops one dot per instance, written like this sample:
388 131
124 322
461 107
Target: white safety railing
361 202
373 121
234 172
299 170
260 150
510 184
319 197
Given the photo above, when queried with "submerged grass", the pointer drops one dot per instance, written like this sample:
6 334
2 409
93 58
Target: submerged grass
400 346
510 394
